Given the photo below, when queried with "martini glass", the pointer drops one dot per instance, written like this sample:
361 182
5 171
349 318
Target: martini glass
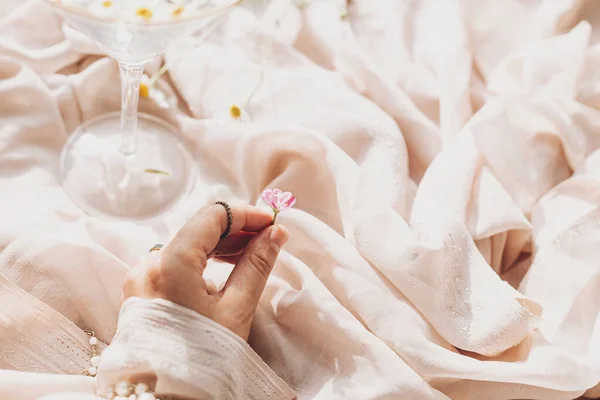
123 165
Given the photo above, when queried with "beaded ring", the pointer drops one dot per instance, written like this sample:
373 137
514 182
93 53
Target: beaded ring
229 219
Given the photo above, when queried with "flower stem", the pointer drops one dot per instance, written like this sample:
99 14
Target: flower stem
260 81
274 217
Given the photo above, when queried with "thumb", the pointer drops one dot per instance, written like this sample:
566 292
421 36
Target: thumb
249 277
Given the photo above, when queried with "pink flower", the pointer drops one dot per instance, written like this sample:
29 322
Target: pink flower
278 200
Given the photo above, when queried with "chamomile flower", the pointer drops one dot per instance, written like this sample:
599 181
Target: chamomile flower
148 90
238 114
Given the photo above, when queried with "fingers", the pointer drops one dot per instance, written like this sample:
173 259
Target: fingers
234 259
201 234
211 287
248 278
234 244
133 277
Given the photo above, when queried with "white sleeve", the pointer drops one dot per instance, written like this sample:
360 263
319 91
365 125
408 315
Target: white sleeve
190 355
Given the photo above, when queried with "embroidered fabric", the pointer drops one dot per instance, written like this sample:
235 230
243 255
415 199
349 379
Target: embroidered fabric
191 355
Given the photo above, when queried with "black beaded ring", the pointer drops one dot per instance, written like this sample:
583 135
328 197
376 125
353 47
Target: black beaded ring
229 219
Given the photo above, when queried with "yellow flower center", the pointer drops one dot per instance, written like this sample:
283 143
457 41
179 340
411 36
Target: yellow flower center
235 111
107 4
144 12
144 90
177 11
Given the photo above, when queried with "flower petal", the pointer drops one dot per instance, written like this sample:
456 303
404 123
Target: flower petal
285 197
278 199
290 202
266 195
269 197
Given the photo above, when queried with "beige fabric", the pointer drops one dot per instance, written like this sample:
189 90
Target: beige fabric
476 279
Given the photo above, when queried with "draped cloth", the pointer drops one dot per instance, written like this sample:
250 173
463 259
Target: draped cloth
444 157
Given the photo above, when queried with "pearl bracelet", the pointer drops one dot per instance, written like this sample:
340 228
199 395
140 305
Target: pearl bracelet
95 360
127 391
122 390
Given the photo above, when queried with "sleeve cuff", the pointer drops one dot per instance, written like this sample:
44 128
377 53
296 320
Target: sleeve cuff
191 355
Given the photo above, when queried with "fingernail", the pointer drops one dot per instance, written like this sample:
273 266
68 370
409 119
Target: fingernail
279 235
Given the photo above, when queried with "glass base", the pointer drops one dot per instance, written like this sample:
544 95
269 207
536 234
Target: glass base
105 183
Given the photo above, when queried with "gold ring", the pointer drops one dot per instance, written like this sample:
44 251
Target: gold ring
156 247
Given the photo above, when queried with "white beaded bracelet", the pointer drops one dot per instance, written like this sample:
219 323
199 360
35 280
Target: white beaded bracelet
127 391
122 390
95 360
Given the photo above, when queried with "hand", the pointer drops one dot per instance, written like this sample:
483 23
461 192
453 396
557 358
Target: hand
175 272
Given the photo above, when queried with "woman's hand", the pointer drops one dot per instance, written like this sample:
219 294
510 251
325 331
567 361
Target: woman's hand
175 272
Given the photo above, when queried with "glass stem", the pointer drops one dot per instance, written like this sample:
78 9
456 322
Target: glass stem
131 75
